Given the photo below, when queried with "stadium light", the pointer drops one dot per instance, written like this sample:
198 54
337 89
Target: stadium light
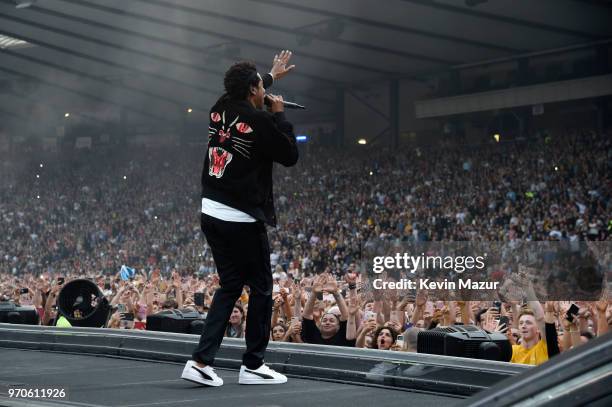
362 141
496 136
189 110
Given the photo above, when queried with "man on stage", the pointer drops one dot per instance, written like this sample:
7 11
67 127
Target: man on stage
243 143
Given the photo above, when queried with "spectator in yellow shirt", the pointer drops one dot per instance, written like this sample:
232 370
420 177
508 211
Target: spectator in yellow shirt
532 349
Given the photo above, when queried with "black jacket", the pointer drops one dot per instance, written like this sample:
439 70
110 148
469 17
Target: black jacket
243 143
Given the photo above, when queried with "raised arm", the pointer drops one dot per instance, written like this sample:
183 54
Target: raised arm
538 310
37 298
378 307
419 307
117 296
178 289
366 328
278 302
148 292
602 322
317 288
574 332
297 300
351 325
279 65
294 332
515 310
566 339
466 312
400 310
286 305
51 300
344 313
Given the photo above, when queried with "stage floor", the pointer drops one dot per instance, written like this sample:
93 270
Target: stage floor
104 381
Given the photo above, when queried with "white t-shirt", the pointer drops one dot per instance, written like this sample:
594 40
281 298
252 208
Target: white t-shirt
224 212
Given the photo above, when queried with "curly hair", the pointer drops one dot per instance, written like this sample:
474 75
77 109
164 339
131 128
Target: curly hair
392 331
239 78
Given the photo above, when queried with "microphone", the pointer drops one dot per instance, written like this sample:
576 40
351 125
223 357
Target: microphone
288 105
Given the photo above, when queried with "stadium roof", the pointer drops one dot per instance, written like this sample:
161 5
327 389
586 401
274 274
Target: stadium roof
157 57
10 42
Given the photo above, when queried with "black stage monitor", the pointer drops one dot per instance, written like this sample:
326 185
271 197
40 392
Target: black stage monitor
179 321
14 314
465 341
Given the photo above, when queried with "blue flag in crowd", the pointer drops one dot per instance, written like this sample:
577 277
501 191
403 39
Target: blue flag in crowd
126 272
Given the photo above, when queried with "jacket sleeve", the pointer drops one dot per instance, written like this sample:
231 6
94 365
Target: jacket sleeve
278 139
268 80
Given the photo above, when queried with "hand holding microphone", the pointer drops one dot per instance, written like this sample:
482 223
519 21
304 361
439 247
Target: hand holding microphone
269 100
275 103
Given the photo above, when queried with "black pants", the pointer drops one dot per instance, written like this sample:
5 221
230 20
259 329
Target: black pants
242 255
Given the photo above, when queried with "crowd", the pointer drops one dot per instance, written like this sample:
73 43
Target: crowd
88 213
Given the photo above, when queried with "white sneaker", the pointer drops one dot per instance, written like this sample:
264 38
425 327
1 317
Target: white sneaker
201 375
261 375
